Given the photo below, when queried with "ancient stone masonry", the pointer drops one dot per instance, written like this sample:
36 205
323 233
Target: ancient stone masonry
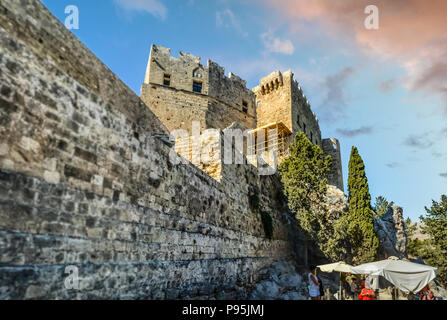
86 181
181 90
331 147
87 177
279 98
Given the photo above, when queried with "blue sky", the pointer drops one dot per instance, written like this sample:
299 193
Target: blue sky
364 90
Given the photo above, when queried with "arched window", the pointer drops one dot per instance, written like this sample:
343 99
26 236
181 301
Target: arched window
197 73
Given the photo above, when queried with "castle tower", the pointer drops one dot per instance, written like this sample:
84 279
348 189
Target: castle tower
331 147
182 90
279 99
281 103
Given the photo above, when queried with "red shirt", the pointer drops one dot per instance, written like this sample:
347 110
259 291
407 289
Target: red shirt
366 294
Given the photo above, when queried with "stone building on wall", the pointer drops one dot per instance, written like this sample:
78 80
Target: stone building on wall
282 104
181 90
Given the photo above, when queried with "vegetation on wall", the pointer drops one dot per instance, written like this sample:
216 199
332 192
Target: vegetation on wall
363 240
266 218
304 176
267 222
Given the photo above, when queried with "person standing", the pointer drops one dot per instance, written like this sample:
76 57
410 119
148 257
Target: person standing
314 283
320 282
354 289
367 293
430 296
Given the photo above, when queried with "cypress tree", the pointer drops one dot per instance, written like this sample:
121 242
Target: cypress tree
363 240
304 176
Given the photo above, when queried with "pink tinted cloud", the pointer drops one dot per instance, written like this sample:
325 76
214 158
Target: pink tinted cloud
412 32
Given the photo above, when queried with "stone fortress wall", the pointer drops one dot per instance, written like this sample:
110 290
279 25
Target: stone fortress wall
86 180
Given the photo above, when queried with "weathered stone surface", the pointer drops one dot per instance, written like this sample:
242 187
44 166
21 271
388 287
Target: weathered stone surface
336 201
84 181
390 229
279 98
331 147
49 39
281 281
168 92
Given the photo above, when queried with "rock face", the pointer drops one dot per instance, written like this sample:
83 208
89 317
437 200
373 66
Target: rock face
438 291
281 282
417 234
336 201
390 229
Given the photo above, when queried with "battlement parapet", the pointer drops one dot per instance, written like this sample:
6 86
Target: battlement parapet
270 83
218 71
158 51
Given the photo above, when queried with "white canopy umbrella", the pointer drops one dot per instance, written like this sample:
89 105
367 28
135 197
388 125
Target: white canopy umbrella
338 267
405 275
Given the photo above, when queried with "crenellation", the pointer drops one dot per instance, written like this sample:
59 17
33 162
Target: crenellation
237 79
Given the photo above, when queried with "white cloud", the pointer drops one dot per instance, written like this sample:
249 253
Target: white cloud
274 44
227 19
154 7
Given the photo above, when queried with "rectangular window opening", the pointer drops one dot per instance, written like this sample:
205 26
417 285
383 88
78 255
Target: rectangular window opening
244 106
167 80
197 87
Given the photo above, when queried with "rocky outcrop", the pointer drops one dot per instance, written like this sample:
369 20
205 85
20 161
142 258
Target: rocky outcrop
438 290
281 282
390 229
336 201
418 234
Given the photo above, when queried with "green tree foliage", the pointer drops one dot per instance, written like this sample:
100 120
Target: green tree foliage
435 225
382 205
363 240
304 176
410 227
413 245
